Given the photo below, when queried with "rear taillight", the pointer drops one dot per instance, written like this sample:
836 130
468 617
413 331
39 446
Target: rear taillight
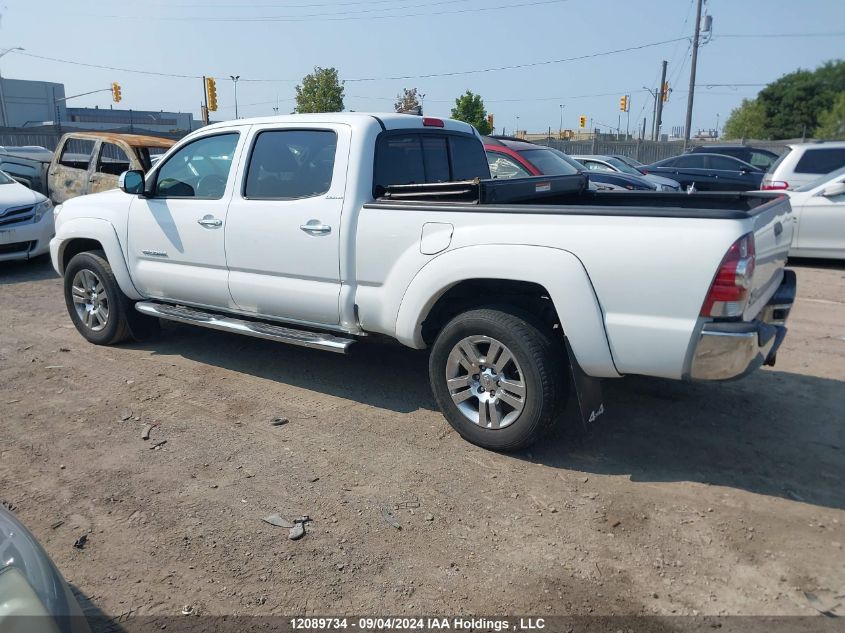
728 294
771 185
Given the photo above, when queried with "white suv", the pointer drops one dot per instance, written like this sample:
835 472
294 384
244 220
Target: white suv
803 163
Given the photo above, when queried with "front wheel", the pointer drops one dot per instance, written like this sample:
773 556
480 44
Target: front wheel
498 378
97 306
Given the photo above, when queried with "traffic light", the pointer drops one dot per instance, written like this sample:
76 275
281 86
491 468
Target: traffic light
582 121
211 93
664 93
115 92
623 103
490 121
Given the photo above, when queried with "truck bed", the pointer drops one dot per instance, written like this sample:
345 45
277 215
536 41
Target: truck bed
561 195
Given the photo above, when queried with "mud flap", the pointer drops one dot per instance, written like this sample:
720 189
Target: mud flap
588 391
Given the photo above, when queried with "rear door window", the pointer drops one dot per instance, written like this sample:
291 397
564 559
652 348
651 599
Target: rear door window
690 161
405 159
723 163
821 160
76 153
291 164
113 160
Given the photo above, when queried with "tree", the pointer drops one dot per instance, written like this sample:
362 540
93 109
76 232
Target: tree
407 101
321 91
747 121
469 107
794 102
832 121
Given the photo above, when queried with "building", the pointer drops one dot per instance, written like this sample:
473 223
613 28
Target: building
25 103
130 120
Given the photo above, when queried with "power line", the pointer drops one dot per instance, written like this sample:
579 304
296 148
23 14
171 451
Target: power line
335 16
100 66
763 35
457 73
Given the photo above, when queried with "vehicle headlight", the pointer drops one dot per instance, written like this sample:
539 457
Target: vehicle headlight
42 208
19 603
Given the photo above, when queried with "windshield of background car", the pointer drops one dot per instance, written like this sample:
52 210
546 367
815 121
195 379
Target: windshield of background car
549 162
821 180
5 179
621 165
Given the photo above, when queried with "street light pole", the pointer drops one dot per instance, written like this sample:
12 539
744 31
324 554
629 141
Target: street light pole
2 93
560 130
235 82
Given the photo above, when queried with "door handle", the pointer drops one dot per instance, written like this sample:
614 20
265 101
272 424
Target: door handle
315 227
209 222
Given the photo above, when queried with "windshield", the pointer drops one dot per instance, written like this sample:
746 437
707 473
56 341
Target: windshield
622 166
551 162
5 179
821 180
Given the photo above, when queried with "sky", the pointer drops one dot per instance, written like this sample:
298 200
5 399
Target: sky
272 44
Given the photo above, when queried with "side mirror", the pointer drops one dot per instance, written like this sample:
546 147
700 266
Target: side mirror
836 189
132 181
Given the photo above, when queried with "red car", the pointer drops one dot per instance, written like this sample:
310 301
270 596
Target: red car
514 158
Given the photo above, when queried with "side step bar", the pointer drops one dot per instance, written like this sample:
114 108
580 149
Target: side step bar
269 331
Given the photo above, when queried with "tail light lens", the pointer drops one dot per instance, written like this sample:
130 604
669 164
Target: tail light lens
728 293
772 185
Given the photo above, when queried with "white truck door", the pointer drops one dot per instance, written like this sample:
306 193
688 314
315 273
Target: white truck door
175 244
283 227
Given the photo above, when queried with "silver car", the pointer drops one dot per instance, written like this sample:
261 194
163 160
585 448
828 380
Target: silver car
600 162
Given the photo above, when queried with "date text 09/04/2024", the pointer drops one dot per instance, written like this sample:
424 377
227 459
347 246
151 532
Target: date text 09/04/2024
422 623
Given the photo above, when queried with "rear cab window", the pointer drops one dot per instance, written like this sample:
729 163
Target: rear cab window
820 160
406 158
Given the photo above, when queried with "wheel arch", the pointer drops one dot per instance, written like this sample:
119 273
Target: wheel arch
525 274
86 234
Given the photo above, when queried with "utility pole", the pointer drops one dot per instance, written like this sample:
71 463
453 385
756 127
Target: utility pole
661 98
560 129
691 94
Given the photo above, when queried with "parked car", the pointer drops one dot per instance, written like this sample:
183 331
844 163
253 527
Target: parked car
757 156
85 162
26 221
34 596
319 229
819 212
515 158
708 172
803 163
604 163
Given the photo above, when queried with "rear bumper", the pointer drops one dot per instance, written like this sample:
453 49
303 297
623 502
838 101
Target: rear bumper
734 349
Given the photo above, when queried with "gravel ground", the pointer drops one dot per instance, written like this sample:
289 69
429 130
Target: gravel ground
686 498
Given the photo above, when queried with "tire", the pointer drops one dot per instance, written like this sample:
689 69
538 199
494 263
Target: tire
96 304
503 402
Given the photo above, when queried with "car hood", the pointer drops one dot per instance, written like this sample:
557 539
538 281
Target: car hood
14 194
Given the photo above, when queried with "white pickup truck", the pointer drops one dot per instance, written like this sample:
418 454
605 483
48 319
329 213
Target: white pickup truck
319 230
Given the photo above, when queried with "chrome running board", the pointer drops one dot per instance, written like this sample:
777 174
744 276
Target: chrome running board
269 331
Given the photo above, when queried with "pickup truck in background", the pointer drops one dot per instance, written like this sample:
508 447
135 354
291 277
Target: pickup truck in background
322 229
84 162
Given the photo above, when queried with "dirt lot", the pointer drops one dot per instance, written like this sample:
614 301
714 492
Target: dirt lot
686 498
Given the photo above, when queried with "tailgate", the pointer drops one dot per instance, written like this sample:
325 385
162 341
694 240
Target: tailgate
772 227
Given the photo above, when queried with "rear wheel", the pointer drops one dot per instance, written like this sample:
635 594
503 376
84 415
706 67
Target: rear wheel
498 378
97 306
